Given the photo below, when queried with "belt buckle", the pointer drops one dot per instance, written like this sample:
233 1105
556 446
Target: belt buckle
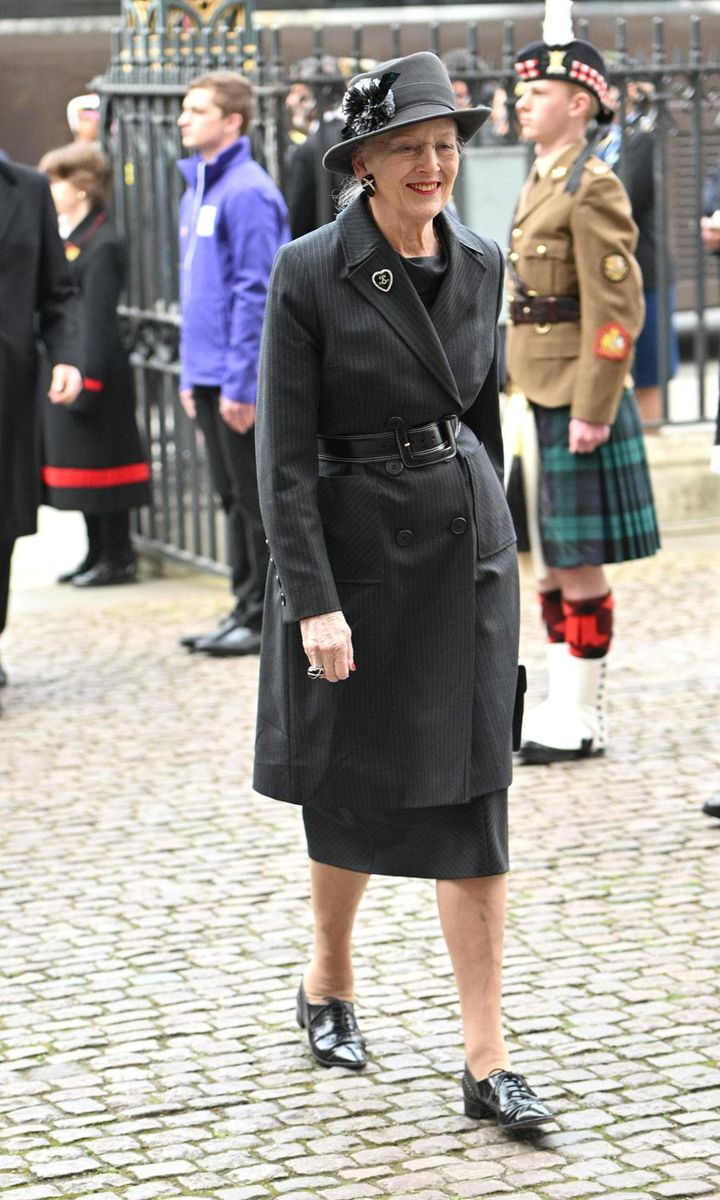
402 438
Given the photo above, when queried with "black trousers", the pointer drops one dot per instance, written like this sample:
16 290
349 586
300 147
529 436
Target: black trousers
6 549
231 457
108 537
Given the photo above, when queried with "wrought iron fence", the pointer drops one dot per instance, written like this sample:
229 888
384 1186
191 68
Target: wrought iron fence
163 44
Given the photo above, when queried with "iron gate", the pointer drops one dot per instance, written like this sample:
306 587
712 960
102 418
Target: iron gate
163 44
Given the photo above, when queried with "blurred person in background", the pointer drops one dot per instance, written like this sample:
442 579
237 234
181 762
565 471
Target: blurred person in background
83 117
36 299
232 222
639 134
93 459
309 190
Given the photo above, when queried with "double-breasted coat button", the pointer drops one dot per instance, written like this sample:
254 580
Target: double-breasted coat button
458 525
403 537
394 467
541 249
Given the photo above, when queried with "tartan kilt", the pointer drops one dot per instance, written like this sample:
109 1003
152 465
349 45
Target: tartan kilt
595 508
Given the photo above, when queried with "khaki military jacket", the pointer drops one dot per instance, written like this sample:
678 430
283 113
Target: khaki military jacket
576 245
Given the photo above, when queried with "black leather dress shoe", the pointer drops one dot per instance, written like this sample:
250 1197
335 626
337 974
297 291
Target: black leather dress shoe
106 574
201 641
506 1097
333 1034
711 807
233 644
80 569
3 676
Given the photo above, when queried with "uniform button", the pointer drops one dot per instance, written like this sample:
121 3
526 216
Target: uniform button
394 467
283 601
403 537
541 249
513 256
458 525
517 232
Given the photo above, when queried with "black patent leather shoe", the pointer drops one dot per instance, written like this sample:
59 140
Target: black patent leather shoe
106 574
506 1098
711 807
333 1034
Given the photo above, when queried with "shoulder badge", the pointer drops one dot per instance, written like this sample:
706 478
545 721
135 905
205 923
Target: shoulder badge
599 168
558 172
613 342
615 267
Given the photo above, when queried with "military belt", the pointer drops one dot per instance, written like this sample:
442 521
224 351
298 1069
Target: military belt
545 310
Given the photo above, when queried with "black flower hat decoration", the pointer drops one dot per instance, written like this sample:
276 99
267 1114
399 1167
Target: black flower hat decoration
368 105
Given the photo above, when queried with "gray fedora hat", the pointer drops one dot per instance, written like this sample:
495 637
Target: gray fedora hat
401 92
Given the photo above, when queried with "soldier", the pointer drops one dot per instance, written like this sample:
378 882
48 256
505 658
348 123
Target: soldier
576 308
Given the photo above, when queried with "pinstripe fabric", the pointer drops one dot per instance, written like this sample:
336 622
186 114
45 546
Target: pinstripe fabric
425 719
460 842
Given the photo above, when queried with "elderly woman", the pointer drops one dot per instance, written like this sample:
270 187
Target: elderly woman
389 660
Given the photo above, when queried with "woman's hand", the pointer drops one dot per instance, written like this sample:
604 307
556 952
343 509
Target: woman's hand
327 641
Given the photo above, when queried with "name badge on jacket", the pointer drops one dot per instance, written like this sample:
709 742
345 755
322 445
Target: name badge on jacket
206 220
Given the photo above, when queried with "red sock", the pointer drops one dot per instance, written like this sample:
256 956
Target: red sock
589 626
551 611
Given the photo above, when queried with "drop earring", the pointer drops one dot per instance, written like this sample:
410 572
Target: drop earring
367 183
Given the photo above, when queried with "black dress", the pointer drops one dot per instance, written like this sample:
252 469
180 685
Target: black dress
445 842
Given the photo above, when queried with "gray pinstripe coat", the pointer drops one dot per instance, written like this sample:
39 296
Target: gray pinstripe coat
426 718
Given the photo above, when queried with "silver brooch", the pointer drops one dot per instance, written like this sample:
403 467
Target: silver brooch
383 280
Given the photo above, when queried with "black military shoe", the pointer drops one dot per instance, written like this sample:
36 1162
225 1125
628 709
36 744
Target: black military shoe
506 1097
333 1034
106 574
200 641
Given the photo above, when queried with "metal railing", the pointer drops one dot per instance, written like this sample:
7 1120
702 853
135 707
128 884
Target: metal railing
164 45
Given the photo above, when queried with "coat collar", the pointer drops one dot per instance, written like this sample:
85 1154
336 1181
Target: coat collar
238 152
9 197
371 263
537 192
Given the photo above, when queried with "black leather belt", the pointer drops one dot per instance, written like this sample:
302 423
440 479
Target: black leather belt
545 310
418 447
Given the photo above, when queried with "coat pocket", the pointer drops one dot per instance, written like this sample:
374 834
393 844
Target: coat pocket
349 508
493 522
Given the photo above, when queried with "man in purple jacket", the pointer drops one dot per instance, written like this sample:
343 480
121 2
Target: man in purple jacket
232 222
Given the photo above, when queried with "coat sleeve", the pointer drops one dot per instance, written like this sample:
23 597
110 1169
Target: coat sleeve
254 228
286 441
57 301
484 415
101 284
612 307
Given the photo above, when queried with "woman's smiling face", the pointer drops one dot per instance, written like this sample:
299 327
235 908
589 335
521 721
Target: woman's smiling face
414 168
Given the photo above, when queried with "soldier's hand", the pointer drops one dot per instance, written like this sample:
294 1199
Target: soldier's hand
586 436
65 385
240 417
187 400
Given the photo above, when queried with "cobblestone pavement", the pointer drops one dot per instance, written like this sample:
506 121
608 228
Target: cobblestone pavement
155 921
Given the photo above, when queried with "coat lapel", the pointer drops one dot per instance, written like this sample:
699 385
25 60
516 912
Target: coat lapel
377 272
9 199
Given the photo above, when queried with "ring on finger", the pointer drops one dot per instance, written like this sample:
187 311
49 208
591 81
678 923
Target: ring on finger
315 672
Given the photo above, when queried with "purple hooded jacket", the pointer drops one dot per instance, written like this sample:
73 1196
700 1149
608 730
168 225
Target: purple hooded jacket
233 220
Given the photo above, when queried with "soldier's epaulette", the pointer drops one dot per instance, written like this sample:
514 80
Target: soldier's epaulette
596 166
